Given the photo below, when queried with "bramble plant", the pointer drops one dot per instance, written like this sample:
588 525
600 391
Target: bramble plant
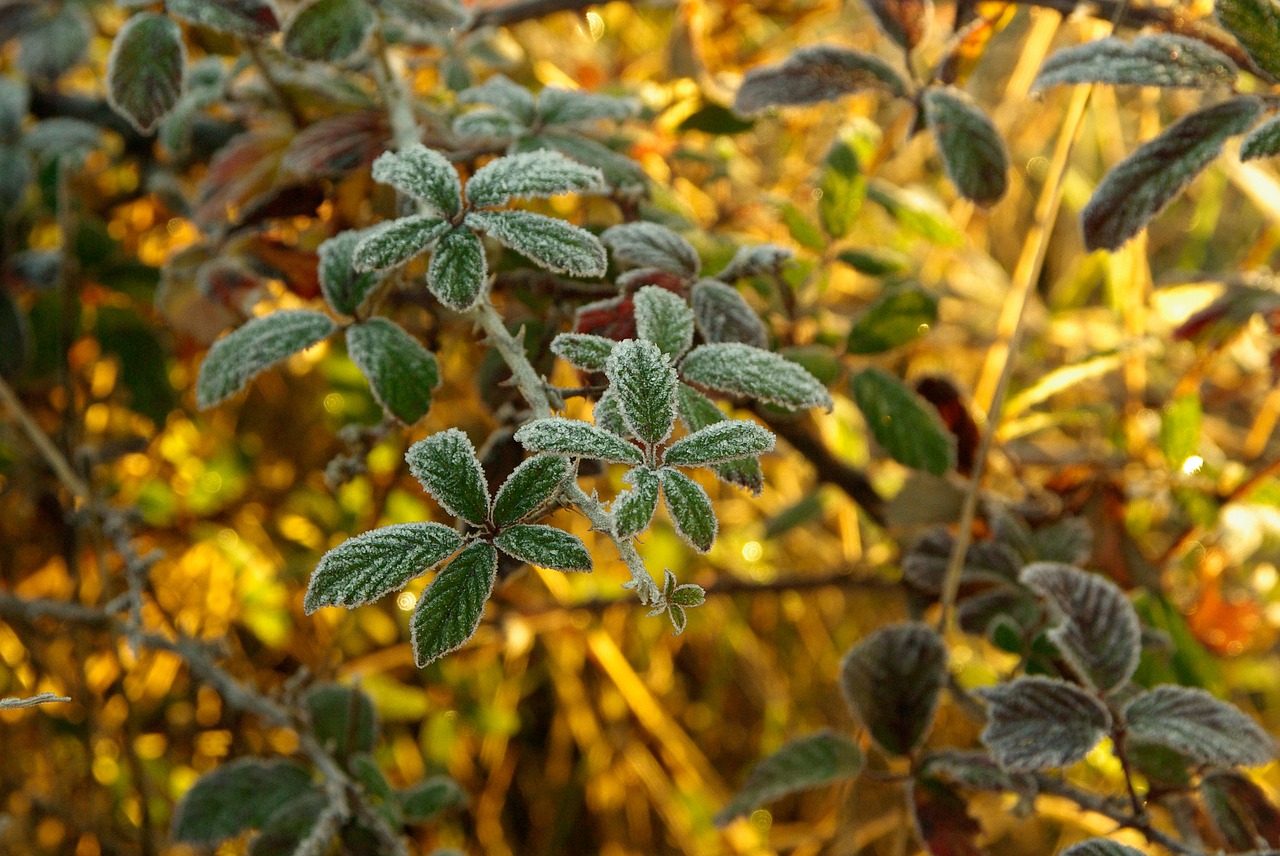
397 238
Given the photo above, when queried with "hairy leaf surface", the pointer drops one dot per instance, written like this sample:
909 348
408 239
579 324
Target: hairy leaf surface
238 357
911 433
1038 723
972 150
583 350
531 175
500 92
446 465
558 246
328 30
723 441
633 509
643 379
255 18
450 609
456 275
544 546
892 680
146 69
904 21
808 762
401 372
1200 726
813 74
424 174
238 795
575 439
643 244
1262 142
343 287
1256 24
529 488
690 509
697 411
1161 59
755 373
364 568
395 242
664 319
723 315
558 106
755 260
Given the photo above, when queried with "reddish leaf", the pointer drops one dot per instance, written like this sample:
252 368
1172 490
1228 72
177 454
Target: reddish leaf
942 820
339 144
614 318
1240 811
282 202
299 269
226 279
945 398
241 173
1226 624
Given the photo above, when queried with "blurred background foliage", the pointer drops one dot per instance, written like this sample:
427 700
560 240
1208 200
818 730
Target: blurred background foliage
574 725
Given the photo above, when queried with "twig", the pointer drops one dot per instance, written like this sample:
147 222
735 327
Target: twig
51 454
1098 804
42 698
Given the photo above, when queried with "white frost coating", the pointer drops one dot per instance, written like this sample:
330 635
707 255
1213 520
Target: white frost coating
146 70
401 373
664 319
529 488
558 106
753 261
718 443
450 609
583 350
633 509
500 92
644 381
725 316
397 241
456 275
236 359
651 245
743 370
447 466
424 174
363 569
574 439
531 175
554 244
608 415
343 288
544 546
690 509
1204 728
487 122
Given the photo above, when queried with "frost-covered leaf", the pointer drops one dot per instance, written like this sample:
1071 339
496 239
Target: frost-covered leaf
723 315
619 170
237 358
424 174
235 796
724 441
558 246
1262 142
256 18
893 319
558 106
643 244
904 21
531 175
1200 726
633 509
664 319
446 465
401 372
1100 636
544 546
607 414
843 187
328 30
1037 723
698 412
500 92
808 762
925 563
428 798
583 350
754 261
441 13
1256 24
456 275
529 488
813 74
739 369
146 68
344 288
971 147
643 379
487 122
892 680
575 439
1140 187
690 509
909 431
362 569
1160 59
53 44
450 609
1100 847
396 241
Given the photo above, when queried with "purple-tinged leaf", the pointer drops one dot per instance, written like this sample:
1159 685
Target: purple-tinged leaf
892 680
814 74
1039 723
256 18
1200 726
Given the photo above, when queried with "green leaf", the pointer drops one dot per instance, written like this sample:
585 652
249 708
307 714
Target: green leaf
814 74
531 175
328 30
808 762
450 609
971 148
843 188
712 118
1160 59
439 13
457 273
664 319
907 429
52 45
343 719
1256 24
645 382
1038 723
294 823
575 439
802 230
743 370
446 465
395 242
619 170
529 488
15 176
503 94
724 441
697 411
1262 142
633 509
1140 187
607 414
643 244
558 246
1203 728
236 359
1099 634
255 18
343 287
488 123
544 546
15 101
1239 809
916 211
1180 429
690 509
894 319
723 315
401 372
755 260
583 350
558 106
425 800
892 680
15 334
875 261
235 796
363 569
424 174
146 69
